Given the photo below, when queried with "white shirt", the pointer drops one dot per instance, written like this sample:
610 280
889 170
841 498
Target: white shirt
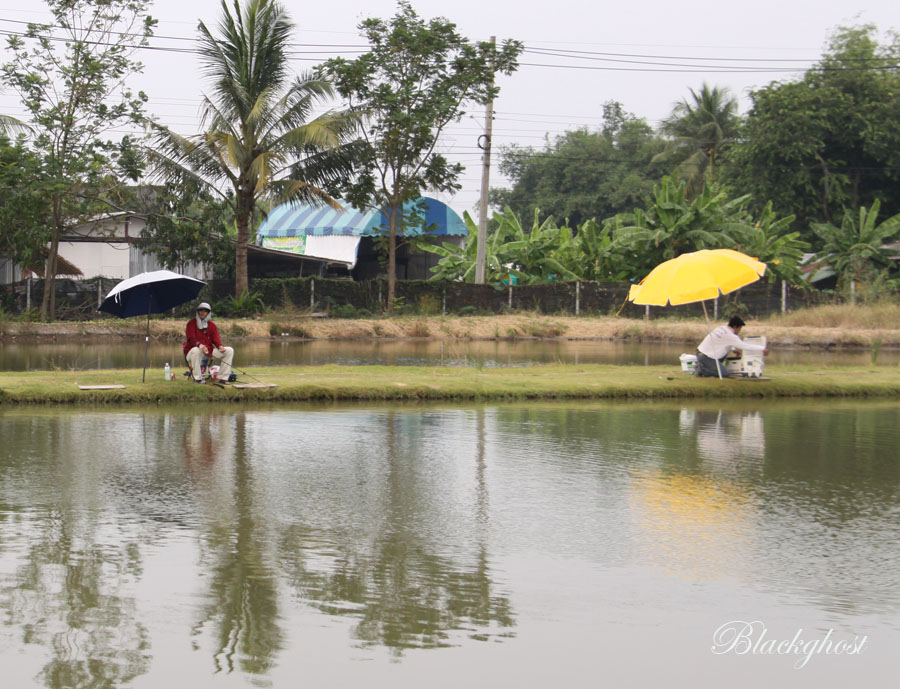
722 340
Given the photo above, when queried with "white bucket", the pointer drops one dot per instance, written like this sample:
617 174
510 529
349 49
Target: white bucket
688 363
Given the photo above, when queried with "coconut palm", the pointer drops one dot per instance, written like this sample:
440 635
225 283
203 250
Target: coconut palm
10 125
260 137
699 130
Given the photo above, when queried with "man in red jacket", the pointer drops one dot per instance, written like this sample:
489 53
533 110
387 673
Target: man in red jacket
203 341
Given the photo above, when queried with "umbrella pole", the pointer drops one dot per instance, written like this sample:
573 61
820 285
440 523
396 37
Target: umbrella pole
709 329
146 347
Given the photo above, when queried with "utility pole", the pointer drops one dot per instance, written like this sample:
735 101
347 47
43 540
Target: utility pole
484 143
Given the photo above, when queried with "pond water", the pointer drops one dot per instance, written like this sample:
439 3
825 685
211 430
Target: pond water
95 354
521 545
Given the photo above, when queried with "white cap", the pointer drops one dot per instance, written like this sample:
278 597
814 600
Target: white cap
203 305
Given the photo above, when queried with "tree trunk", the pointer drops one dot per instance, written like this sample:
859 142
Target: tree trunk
242 219
48 301
392 259
826 194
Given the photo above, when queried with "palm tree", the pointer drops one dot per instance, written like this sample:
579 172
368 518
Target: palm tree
10 125
699 130
259 139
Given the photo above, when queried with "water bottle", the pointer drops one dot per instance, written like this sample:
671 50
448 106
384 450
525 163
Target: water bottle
168 372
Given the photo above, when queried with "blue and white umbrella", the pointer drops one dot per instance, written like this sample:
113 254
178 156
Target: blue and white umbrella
153 292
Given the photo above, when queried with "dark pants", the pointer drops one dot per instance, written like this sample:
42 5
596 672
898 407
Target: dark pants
709 367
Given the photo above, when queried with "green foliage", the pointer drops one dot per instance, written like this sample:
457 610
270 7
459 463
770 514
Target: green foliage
545 252
242 305
344 311
699 132
537 255
184 225
414 81
770 240
855 249
459 263
583 174
25 213
260 137
830 139
674 224
75 92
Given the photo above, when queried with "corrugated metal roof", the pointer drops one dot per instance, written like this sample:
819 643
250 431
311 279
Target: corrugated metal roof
295 219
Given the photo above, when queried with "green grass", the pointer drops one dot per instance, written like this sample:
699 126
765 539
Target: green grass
552 381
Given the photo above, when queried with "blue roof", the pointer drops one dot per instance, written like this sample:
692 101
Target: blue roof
301 219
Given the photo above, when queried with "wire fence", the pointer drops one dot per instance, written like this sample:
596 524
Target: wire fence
80 299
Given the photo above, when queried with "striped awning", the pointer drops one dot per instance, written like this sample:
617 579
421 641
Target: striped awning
295 220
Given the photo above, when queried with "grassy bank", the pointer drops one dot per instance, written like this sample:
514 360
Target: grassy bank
558 381
832 326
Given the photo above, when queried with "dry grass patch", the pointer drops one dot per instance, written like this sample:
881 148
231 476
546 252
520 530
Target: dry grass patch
878 316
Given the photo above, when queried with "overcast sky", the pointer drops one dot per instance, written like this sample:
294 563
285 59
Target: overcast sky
645 54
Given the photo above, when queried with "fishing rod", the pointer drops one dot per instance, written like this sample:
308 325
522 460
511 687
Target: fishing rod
244 373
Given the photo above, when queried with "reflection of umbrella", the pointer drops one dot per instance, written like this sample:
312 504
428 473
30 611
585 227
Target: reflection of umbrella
696 277
147 293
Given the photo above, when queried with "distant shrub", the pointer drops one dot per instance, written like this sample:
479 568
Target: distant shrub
244 304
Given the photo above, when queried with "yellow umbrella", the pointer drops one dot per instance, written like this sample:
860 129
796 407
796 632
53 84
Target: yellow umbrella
697 276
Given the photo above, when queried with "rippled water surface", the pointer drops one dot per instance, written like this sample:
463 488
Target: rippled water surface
571 545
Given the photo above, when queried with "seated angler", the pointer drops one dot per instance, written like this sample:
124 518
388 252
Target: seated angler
203 341
718 344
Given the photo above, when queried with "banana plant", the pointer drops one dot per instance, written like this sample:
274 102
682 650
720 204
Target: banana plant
601 256
673 224
769 240
458 263
537 255
856 248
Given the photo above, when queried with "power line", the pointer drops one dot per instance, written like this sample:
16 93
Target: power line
650 60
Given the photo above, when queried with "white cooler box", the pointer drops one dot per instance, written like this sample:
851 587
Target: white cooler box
751 364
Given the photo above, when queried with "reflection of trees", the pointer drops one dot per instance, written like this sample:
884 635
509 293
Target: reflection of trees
243 610
70 595
90 628
402 594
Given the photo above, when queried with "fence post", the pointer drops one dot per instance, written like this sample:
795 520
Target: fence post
99 292
577 297
312 294
647 312
443 310
379 293
784 296
510 296
716 309
28 292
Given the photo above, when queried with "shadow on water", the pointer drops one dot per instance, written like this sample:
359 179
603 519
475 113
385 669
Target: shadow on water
230 537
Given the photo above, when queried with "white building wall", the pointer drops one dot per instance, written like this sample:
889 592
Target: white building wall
110 254
9 271
108 260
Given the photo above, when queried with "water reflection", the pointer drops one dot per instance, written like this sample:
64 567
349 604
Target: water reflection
402 592
154 546
96 354
71 587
